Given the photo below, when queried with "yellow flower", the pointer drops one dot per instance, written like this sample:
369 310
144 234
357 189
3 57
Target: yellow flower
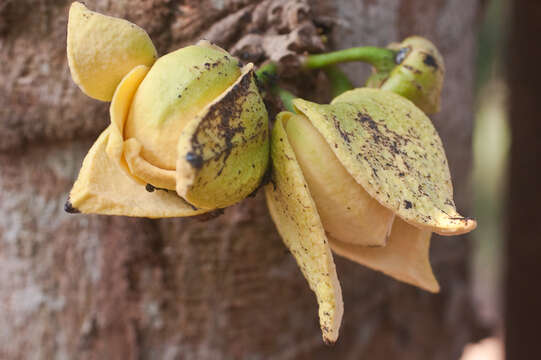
188 133
366 177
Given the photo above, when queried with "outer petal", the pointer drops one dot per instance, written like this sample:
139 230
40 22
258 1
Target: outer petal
405 257
223 152
391 148
298 222
104 188
102 49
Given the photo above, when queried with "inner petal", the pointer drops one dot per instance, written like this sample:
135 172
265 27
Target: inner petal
347 211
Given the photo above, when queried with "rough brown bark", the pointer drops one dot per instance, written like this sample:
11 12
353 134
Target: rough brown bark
94 287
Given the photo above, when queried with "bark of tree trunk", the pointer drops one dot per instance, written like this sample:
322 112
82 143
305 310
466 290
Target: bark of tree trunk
95 287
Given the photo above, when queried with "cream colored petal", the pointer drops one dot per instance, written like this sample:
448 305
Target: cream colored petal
347 211
118 111
405 257
103 49
299 225
223 153
144 170
391 148
103 188
128 153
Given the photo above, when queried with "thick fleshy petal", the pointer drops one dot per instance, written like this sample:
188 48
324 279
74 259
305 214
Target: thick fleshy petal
405 257
146 171
296 217
127 153
104 188
119 109
391 148
223 152
103 49
348 213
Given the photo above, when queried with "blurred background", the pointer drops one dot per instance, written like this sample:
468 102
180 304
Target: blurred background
506 261
491 146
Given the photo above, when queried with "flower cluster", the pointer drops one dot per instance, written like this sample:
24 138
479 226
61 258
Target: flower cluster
365 177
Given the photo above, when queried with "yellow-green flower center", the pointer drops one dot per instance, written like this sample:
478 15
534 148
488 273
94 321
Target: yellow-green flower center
178 86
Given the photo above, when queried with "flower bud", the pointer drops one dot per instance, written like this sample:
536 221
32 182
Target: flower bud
188 133
418 74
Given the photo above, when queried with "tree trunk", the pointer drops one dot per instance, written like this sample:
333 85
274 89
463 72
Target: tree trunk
96 287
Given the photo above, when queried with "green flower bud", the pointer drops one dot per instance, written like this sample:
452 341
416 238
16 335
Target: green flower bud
188 133
418 75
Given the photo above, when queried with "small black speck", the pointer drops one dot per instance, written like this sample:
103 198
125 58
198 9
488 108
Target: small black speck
407 204
150 188
194 159
68 207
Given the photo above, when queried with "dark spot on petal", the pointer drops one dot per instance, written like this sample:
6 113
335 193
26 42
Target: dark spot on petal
412 69
150 188
68 207
407 204
195 160
430 61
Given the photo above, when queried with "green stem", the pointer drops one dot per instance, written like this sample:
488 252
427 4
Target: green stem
266 76
286 97
338 80
266 73
382 59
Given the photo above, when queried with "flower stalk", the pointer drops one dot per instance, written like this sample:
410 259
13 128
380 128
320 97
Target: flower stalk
338 80
381 59
267 76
